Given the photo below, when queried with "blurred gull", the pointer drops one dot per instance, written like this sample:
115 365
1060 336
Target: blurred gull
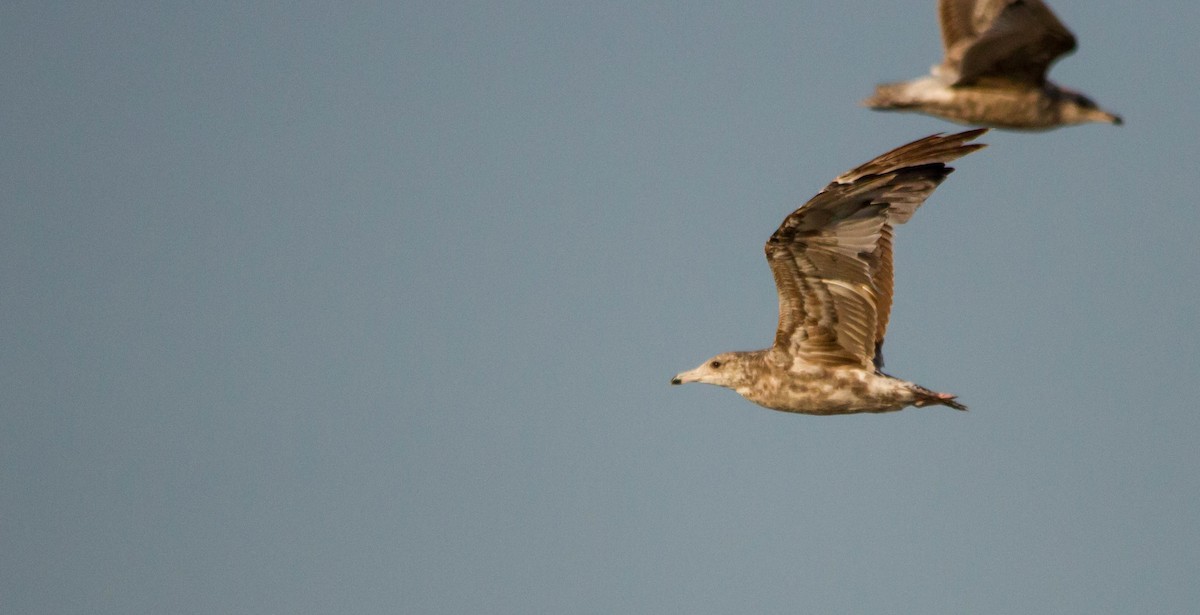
994 72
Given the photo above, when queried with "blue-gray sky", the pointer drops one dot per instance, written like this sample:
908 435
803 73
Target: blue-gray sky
371 308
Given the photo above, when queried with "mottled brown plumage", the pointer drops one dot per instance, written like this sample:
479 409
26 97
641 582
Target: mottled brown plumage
997 54
832 264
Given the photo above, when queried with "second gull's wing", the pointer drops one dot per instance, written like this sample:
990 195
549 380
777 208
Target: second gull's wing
1012 40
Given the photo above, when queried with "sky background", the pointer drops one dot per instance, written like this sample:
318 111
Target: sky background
371 308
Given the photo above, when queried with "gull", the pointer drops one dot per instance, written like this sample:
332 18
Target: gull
997 53
832 263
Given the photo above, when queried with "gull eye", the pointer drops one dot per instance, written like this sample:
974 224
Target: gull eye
715 364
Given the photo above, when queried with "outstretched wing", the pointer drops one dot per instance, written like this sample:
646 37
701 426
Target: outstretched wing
832 257
1011 40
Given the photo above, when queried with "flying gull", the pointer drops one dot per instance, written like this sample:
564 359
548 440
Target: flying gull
832 261
997 53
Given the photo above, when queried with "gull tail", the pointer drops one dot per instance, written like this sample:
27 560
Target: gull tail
925 397
889 96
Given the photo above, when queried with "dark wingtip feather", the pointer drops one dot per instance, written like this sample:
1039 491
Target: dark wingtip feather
936 149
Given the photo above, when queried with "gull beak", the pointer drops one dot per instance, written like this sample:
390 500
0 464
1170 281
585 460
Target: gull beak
683 377
1100 115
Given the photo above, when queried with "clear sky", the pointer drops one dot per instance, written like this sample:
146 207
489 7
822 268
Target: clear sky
371 308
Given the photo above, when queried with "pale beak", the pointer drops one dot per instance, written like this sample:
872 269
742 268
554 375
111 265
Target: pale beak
685 377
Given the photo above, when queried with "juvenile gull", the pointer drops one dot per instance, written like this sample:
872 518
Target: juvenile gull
997 53
832 261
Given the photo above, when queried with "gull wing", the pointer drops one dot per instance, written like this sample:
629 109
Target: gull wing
832 257
1011 40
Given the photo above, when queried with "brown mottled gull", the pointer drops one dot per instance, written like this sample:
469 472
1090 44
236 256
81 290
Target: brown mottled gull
997 53
832 261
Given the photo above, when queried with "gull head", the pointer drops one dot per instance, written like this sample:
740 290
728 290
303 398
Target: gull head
726 370
1076 108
